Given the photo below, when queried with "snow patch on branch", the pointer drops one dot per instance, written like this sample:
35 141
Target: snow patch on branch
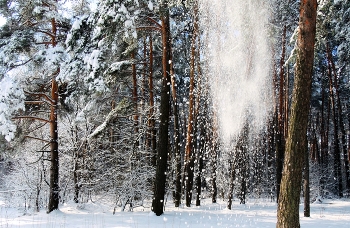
117 66
122 105
11 100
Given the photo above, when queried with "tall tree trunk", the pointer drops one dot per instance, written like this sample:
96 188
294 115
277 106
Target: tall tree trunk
134 94
151 118
76 168
231 184
270 157
199 176
306 184
177 152
162 154
337 154
214 157
286 104
324 139
340 118
189 163
54 167
242 159
199 125
288 202
280 138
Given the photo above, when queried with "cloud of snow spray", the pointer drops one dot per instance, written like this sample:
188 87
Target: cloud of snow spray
237 52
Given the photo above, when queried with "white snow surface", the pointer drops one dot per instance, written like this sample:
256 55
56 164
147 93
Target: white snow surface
256 213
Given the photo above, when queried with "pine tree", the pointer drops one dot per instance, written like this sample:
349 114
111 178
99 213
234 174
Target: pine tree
288 202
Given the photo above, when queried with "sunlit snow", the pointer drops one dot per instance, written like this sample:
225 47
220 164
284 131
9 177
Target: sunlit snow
256 213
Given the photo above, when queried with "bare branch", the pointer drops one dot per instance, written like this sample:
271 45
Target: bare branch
41 95
31 117
155 22
31 137
12 66
46 43
148 28
47 33
34 102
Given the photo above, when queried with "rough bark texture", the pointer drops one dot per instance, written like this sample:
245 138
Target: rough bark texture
177 152
162 155
280 142
289 199
54 168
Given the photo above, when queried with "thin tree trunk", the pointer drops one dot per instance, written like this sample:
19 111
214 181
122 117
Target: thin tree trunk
286 104
177 152
242 159
214 158
231 186
38 190
280 142
134 93
306 184
199 175
288 202
324 139
340 119
337 154
189 163
199 124
77 157
151 118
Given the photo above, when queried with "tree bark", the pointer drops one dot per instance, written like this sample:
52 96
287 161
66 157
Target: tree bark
189 163
306 184
200 124
232 185
288 203
214 157
162 153
280 137
177 152
337 154
54 168
340 119
151 119
134 94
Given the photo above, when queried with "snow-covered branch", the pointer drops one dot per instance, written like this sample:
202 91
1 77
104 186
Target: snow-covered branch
122 105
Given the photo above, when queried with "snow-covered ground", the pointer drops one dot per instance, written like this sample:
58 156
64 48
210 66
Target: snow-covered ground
256 213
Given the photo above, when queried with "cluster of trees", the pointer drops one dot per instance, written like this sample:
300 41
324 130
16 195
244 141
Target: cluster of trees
116 102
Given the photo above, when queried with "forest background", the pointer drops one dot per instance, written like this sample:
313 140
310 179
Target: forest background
92 102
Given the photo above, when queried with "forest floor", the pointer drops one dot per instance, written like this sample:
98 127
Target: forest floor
255 213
